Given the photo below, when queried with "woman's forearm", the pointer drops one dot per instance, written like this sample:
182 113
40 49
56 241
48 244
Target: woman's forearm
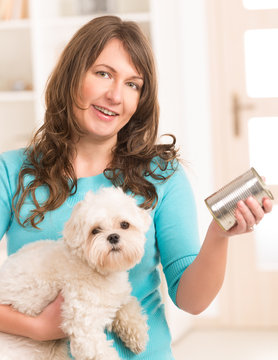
45 326
14 322
202 280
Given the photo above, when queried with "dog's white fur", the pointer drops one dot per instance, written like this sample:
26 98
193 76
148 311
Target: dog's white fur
90 271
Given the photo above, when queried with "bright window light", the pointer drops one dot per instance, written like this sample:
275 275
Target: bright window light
263 147
261 59
260 4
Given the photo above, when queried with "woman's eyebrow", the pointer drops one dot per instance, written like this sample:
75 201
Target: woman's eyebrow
137 77
115 71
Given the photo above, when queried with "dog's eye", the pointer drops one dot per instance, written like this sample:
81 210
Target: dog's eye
124 225
96 231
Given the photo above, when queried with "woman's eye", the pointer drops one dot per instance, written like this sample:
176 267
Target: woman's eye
96 231
133 85
124 225
103 74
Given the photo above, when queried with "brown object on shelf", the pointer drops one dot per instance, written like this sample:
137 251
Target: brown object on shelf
24 9
6 9
13 9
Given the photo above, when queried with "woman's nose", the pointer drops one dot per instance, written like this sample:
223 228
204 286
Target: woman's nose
115 93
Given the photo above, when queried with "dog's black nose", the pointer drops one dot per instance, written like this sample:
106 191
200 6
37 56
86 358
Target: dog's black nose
113 238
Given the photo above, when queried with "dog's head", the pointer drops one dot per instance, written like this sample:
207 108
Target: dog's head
107 230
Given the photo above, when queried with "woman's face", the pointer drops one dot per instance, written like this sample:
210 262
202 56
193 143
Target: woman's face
110 94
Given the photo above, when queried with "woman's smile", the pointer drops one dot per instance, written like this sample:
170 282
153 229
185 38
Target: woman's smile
104 114
105 111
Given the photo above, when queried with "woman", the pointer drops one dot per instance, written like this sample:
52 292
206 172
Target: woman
100 129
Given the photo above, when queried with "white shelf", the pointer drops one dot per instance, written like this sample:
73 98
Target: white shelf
82 19
15 96
16 24
138 17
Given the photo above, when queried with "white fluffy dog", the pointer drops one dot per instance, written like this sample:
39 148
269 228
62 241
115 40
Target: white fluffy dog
103 238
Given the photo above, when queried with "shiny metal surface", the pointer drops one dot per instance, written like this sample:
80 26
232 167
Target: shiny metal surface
222 204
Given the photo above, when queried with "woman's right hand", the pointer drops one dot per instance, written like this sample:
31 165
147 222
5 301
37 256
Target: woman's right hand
47 323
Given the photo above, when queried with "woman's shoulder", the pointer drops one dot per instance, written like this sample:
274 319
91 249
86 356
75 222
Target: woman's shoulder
165 169
13 154
11 161
169 176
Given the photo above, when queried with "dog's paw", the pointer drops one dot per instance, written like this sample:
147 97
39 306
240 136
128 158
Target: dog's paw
137 338
133 331
109 354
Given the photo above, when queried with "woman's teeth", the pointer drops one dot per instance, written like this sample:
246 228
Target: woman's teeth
105 111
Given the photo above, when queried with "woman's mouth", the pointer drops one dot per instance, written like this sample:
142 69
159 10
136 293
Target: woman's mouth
105 111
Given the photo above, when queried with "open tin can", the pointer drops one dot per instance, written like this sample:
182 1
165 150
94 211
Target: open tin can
223 203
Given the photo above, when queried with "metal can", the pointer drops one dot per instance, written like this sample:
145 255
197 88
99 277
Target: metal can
222 204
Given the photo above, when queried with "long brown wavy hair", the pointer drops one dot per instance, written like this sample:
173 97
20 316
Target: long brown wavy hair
49 154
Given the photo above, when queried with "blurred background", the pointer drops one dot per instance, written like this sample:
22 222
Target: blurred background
218 89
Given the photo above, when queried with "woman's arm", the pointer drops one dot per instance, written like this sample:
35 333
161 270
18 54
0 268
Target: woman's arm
202 280
45 326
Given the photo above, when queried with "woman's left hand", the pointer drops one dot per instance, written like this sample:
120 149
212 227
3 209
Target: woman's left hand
248 214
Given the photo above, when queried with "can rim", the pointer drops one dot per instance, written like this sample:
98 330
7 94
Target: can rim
262 183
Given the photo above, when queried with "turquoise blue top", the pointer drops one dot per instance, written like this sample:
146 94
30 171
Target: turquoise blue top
172 240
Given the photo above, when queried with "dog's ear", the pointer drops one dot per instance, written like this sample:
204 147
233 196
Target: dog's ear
147 219
74 228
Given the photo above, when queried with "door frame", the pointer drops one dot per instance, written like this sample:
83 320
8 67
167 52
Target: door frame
223 161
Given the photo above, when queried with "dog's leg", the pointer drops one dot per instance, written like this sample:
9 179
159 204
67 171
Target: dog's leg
84 347
60 351
84 325
131 326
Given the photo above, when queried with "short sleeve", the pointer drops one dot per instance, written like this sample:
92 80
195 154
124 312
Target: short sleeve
176 228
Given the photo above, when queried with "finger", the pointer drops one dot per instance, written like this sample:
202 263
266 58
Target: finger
267 205
240 227
247 214
60 297
57 302
255 209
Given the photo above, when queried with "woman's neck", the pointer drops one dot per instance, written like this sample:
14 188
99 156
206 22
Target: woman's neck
91 159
